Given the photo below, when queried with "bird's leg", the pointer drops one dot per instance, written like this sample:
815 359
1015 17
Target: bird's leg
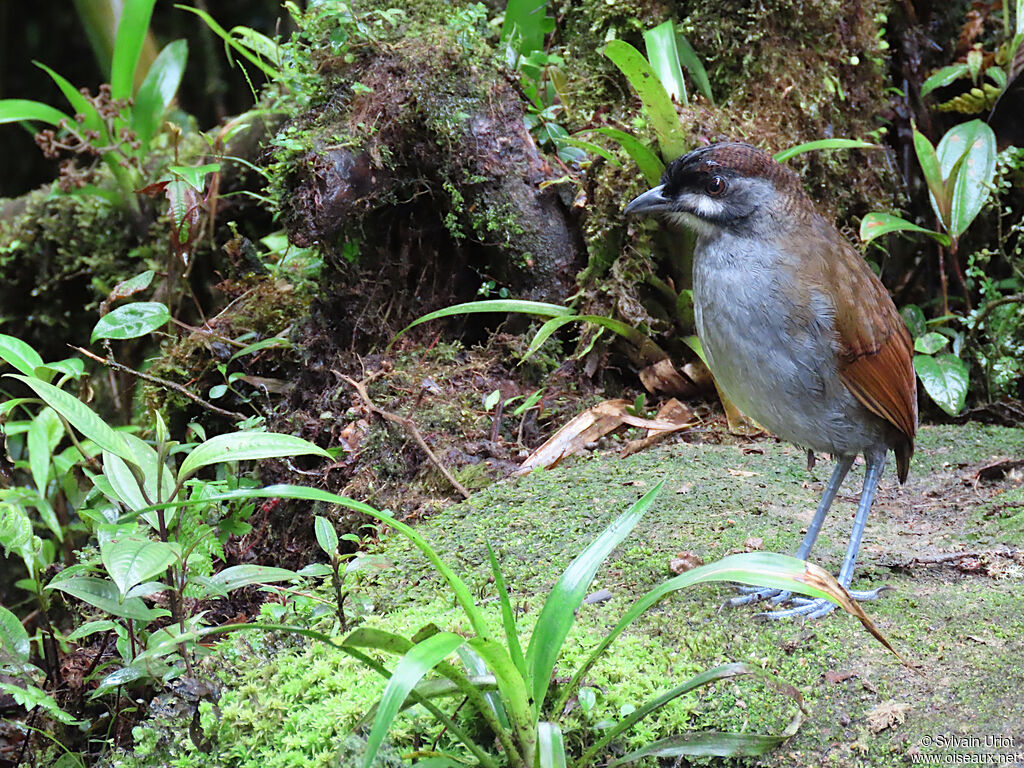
816 608
755 594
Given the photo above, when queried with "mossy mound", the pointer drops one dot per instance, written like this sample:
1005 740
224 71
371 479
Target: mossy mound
962 627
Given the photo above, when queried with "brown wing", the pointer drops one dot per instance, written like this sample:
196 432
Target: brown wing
875 350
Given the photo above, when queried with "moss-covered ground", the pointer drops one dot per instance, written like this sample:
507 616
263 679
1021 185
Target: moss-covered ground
959 620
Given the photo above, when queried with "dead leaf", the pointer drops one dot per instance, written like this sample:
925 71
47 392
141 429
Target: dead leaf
888 714
586 428
671 411
699 374
753 543
663 379
742 473
684 562
838 677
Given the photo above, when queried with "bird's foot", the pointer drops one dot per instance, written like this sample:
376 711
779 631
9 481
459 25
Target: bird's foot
811 608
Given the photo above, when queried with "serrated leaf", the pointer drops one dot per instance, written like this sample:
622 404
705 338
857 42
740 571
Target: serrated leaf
132 321
945 378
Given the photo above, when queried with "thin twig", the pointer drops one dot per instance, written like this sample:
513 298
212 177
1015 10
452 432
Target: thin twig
410 427
160 382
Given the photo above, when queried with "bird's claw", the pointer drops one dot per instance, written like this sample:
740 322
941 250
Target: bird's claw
812 608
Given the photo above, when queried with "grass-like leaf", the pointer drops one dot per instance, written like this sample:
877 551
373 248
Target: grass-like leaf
131 36
157 91
810 146
659 106
559 611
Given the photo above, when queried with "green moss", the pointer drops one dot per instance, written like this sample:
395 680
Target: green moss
537 524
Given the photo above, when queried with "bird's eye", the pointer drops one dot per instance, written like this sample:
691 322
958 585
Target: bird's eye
716 186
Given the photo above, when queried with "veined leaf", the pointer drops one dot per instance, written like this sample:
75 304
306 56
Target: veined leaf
246 446
877 224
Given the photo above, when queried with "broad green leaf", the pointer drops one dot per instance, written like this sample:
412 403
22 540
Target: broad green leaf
19 354
664 59
511 684
131 35
930 343
80 416
195 175
131 560
44 433
14 640
157 91
16 110
246 446
945 378
933 176
588 146
550 745
81 105
420 659
659 106
877 224
913 316
974 177
647 161
943 77
559 611
326 536
103 594
526 24
689 59
133 285
132 320
243 575
810 146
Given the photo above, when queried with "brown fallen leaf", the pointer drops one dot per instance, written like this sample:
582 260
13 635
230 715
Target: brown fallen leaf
662 378
586 428
684 562
888 714
753 543
838 677
670 411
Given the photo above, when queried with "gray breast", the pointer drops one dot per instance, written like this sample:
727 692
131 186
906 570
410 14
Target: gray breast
774 360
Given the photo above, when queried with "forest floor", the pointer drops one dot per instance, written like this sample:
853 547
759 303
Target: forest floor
947 543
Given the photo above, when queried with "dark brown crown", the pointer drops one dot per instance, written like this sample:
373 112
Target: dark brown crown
728 159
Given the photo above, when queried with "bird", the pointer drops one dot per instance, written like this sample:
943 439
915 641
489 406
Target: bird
797 330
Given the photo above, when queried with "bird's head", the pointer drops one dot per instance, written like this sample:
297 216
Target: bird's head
727 186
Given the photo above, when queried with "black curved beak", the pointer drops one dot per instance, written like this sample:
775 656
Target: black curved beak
651 201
